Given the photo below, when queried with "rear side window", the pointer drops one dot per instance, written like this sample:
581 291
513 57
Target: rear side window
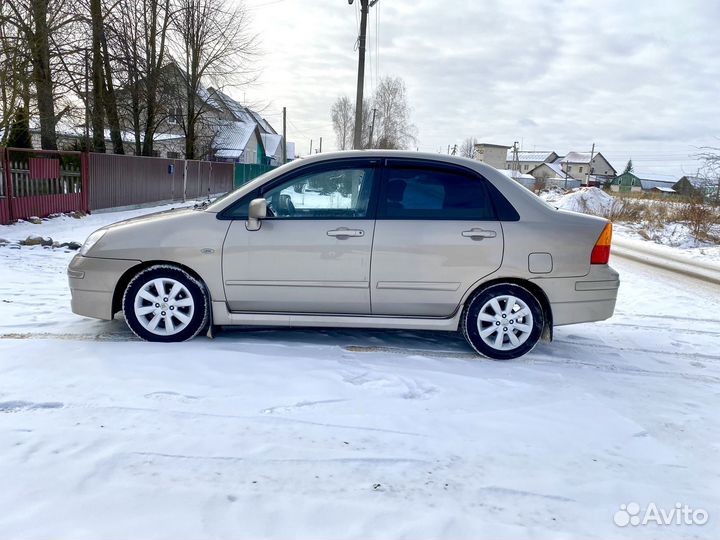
420 193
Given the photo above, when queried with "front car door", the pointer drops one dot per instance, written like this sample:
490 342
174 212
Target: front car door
436 234
312 252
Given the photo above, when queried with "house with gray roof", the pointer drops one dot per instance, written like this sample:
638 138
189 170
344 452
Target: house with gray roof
582 166
226 129
529 160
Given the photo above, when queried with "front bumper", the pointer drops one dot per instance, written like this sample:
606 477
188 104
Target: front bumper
582 299
92 284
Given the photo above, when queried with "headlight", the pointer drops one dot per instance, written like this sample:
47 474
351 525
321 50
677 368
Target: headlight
92 240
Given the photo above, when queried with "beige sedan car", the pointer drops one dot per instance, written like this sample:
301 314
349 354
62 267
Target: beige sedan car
372 239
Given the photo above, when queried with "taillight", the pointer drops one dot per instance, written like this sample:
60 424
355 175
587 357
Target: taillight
601 251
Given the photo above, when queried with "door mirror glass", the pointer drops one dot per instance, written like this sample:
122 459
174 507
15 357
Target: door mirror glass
257 211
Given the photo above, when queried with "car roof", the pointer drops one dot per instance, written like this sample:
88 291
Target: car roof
508 187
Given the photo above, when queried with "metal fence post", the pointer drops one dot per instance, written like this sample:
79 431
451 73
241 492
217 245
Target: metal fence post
8 183
85 180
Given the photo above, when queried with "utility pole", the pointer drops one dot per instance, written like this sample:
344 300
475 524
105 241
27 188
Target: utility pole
365 6
320 150
284 140
516 158
310 153
592 155
372 129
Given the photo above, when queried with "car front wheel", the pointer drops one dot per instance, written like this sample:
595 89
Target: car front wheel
165 303
504 321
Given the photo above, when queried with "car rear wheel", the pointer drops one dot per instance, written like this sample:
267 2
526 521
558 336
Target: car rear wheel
165 303
504 321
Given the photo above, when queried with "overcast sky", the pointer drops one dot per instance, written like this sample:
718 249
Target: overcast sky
640 79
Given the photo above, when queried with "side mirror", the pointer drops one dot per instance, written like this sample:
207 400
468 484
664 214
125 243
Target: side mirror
257 211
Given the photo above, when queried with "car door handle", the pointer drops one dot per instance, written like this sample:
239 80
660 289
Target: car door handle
479 234
343 232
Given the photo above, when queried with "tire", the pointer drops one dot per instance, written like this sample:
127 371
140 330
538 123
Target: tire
491 324
178 314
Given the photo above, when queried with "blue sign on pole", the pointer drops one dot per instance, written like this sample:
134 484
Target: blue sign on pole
171 168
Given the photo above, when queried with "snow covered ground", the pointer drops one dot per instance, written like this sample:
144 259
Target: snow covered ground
670 238
351 433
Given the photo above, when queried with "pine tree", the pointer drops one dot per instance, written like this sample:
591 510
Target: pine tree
19 136
628 167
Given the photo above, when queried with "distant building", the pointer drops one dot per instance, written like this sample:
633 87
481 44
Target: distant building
627 182
529 160
545 171
694 186
580 166
664 191
225 129
491 154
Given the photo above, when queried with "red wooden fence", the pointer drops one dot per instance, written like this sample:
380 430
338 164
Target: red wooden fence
42 182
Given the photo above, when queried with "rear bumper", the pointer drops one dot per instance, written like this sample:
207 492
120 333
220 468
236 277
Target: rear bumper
586 299
92 284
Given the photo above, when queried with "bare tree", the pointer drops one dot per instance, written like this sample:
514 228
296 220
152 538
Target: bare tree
213 41
343 119
38 22
135 53
15 76
467 148
709 156
392 122
98 78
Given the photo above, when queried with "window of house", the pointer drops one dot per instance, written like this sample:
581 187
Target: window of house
418 193
580 169
175 115
173 155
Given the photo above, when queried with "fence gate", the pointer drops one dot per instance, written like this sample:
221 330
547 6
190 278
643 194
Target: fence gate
42 182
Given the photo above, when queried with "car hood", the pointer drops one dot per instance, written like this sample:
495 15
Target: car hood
155 217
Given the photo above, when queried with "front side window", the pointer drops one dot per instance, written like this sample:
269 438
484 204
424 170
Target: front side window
417 193
336 193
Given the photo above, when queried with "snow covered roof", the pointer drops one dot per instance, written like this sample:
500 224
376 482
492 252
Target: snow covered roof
515 175
555 166
665 189
576 157
524 155
264 124
232 139
272 142
649 183
64 129
696 181
239 111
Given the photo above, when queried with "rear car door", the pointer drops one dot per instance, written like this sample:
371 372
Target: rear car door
312 252
436 234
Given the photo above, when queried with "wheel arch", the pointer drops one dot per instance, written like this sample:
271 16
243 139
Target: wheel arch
534 288
130 273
